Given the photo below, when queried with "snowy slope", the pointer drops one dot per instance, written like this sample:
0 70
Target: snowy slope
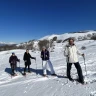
78 36
67 35
36 85
49 37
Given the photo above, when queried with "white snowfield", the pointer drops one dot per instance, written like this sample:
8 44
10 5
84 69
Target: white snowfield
36 85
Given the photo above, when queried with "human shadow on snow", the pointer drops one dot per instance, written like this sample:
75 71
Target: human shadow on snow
9 71
36 71
21 70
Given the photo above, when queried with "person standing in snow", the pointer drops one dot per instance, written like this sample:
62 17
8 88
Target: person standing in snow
45 61
27 61
13 62
71 52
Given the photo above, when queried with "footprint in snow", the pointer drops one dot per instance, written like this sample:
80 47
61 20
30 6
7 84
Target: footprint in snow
93 93
25 92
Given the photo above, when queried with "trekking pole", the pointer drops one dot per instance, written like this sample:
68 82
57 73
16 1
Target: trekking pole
36 68
85 65
42 65
16 67
19 66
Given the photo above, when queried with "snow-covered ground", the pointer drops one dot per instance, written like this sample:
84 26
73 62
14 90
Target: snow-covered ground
36 85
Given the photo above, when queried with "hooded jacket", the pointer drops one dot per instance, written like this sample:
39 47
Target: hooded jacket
13 60
27 58
45 55
71 52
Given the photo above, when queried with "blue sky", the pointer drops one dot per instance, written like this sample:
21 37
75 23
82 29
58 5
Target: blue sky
23 20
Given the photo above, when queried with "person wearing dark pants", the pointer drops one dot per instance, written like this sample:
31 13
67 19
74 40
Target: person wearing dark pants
79 71
27 65
27 61
13 62
71 52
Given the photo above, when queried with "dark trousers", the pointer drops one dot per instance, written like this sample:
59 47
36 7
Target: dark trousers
13 67
27 65
79 71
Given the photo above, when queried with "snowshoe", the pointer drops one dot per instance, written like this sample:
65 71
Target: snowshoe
24 74
71 79
13 74
45 75
53 74
29 72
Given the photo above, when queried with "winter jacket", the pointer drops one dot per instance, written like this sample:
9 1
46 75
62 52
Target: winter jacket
13 60
45 55
71 52
27 58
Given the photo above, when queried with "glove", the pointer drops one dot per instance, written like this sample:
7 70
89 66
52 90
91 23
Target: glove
83 55
25 61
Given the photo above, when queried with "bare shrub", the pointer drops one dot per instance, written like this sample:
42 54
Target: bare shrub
43 43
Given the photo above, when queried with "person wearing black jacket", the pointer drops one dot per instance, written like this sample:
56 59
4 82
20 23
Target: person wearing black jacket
27 61
46 61
13 62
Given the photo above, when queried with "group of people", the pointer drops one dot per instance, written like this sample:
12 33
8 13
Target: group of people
27 61
71 52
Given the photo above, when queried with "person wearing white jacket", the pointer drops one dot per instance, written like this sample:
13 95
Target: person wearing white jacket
71 52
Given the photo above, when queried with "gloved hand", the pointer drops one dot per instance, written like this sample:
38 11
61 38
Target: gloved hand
25 61
19 60
83 55
67 56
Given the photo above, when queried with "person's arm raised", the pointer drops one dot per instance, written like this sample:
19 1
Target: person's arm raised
32 57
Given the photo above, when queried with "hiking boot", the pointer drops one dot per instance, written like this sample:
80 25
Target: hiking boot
29 71
12 74
44 75
54 74
24 73
71 79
